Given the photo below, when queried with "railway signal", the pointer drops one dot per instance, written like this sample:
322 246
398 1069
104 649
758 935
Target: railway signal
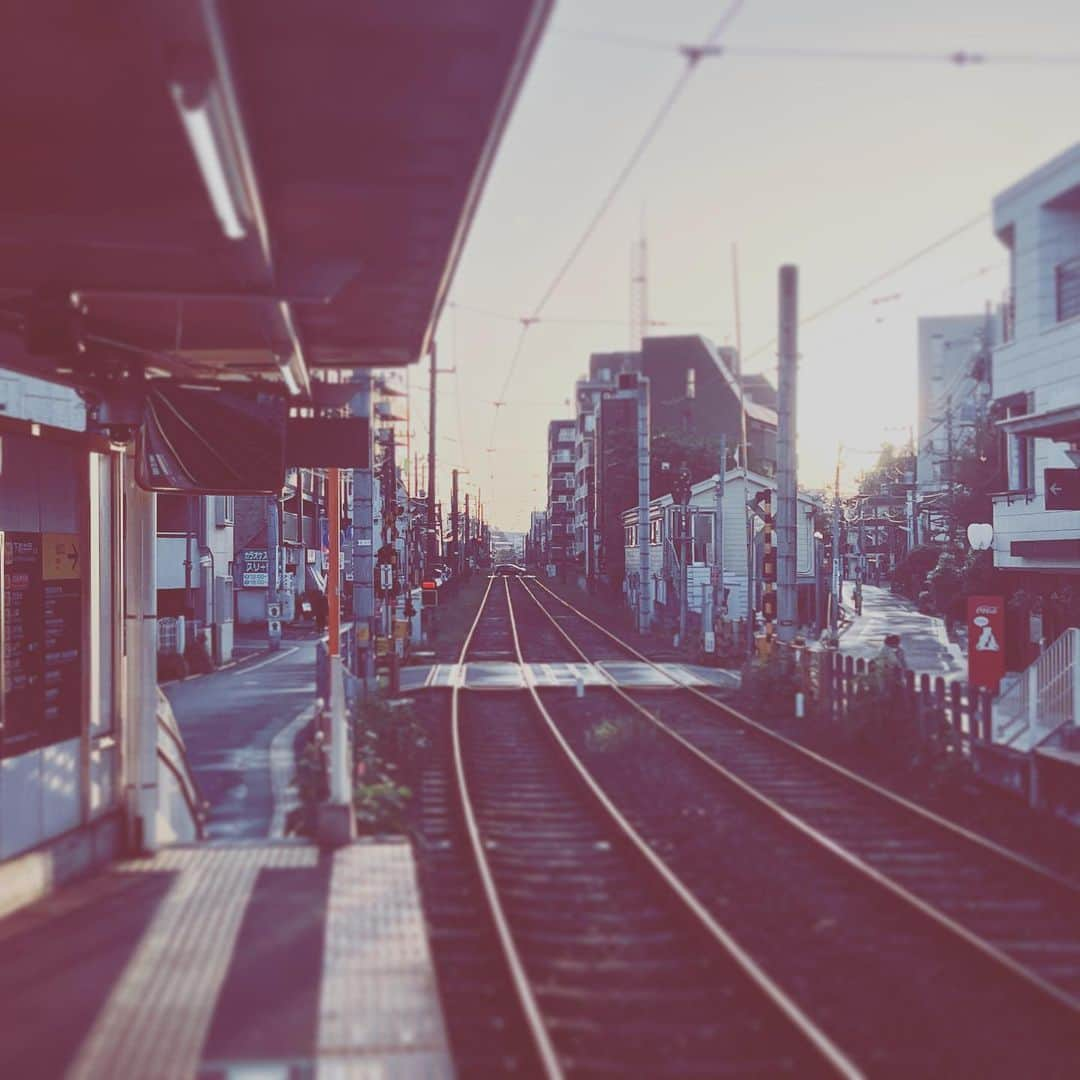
429 593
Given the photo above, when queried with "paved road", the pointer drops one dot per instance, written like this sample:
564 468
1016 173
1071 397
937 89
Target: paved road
926 645
228 720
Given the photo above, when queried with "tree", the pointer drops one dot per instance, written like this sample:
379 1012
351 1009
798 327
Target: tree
668 453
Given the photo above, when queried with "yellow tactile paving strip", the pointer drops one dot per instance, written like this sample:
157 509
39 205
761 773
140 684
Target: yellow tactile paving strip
379 1012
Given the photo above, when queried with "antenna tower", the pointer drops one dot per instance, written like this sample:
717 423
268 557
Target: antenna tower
639 291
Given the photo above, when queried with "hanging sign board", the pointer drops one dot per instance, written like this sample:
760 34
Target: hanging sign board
256 568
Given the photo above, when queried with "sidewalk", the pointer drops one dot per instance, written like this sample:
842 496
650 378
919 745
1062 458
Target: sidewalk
923 638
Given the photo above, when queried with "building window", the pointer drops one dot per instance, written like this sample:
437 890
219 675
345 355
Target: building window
1021 463
691 382
1067 281
224 509
654 531
701 533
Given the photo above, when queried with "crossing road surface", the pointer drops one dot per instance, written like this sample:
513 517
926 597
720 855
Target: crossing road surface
228 720
926 645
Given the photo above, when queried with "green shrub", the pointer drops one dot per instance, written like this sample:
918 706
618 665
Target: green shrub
170 666
197 655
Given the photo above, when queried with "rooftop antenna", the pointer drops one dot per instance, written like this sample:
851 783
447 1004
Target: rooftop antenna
639 287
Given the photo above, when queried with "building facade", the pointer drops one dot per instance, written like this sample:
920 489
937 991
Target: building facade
954 387
195 571
742 556
1037 380
61 630
561 483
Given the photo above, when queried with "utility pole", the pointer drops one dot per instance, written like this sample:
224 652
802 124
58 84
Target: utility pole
681 497
273 545
838 558
718 610
787 481
433 540
949 448
744 454
363 541
468 536
455 536
644 569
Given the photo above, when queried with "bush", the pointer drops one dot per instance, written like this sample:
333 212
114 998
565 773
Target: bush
614 735
910 575
945 581
312 782
197 655
170 666
390 746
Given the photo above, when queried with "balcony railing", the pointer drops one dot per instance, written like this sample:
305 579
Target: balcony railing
1067 287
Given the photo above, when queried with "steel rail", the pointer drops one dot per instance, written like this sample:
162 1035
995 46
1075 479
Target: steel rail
545 1049
883 793
945 922
819 1042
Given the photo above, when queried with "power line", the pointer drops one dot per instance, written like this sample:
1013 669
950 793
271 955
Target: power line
877 279
956 58
669 102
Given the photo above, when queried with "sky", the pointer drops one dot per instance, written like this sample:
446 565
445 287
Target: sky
844 167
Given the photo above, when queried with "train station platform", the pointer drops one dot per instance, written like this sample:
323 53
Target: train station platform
226 960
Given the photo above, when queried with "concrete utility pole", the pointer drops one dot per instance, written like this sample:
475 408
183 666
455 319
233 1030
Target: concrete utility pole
718 610
433 540
337 820
468 537
644 569
455 534
273 547
363 549
751 566
838 557
787 480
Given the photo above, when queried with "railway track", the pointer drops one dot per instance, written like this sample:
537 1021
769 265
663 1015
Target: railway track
1017 924
617 968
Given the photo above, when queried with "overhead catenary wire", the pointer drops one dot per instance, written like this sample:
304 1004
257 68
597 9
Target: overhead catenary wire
955 57
669 102
877 279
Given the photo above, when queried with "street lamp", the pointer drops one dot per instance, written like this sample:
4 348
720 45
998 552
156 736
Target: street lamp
980 536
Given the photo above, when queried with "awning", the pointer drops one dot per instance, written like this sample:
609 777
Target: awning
242 190
1061 425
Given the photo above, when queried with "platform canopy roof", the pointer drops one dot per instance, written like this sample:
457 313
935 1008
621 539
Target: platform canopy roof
243 189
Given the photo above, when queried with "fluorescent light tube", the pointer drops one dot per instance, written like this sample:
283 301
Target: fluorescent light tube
209 154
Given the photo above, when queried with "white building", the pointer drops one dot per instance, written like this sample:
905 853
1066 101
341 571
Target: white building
1037 370
954 392
739 489
195 573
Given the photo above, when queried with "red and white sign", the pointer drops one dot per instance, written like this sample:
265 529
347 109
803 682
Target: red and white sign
986 641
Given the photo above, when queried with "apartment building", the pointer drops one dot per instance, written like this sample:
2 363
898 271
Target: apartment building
560 488
1037 380
195 566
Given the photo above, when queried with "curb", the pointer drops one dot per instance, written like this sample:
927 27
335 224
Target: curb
283 768
224 667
